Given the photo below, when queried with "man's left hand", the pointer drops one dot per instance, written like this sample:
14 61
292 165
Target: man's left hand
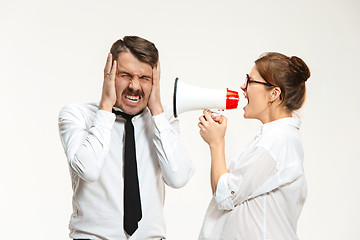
154 103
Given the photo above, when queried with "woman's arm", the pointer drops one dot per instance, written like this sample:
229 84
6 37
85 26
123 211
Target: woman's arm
218 164
212 130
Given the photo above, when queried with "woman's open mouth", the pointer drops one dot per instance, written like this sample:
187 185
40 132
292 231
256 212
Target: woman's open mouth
245 101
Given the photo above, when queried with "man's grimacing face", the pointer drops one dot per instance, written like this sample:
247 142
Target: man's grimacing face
133 83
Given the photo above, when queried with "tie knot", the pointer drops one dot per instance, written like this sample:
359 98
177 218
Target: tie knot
124 115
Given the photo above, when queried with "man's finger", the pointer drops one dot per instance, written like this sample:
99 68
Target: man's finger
108 65
113 69
158 68
156 74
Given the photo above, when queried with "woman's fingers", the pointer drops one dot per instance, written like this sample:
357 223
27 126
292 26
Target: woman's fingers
201 126
203 121
208 115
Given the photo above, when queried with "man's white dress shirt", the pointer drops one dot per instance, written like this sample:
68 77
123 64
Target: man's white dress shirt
263 194
93 143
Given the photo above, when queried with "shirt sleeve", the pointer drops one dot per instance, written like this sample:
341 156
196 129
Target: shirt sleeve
86 146
176 165
245 178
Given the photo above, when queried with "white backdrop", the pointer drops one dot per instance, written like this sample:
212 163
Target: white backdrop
53 52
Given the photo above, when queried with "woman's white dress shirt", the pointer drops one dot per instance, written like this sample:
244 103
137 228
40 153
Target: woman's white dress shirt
263 194
93 143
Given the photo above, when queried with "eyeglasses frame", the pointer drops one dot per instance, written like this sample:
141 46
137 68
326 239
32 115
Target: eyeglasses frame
248 80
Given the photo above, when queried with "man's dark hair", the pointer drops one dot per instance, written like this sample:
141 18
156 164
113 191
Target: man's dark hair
144 50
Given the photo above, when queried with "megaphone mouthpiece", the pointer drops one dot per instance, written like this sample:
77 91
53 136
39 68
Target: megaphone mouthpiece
232 99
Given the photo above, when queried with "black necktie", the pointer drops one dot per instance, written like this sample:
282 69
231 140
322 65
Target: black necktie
132 203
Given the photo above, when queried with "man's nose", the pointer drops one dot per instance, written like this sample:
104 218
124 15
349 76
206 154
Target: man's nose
135 83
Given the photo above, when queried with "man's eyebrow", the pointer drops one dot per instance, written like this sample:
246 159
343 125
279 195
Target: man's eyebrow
143 76
123 72
146 76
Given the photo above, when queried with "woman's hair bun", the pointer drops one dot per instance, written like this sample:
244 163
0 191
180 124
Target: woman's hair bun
300 67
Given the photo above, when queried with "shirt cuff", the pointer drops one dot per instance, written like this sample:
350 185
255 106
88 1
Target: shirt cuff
224 195
104 119
161 122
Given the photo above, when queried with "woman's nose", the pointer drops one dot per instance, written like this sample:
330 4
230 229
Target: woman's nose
243 87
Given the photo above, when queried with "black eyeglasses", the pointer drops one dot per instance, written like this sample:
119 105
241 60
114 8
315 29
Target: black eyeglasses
248 80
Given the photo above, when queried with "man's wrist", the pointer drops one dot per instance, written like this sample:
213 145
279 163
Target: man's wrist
156 110
105 106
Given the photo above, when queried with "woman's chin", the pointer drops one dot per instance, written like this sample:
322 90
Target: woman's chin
246 115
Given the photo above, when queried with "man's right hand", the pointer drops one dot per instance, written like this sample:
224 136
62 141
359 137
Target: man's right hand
108 97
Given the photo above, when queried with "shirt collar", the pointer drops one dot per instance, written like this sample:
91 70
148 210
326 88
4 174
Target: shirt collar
288 121
135 117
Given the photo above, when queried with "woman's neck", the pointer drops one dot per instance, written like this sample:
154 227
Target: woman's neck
275 113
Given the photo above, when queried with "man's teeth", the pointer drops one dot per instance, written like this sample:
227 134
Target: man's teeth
132 98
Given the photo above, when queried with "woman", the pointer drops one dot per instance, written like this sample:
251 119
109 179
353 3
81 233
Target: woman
260 193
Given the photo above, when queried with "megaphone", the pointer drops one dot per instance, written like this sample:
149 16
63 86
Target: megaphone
187 98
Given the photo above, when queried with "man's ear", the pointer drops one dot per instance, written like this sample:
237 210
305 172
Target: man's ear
275 94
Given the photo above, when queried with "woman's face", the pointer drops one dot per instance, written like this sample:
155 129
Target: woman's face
257 95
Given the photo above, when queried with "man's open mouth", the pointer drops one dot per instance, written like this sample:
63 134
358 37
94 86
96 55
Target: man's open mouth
132 98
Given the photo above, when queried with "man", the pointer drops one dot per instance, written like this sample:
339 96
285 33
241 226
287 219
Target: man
120 162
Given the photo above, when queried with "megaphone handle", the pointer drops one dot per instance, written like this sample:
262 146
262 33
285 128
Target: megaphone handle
215 113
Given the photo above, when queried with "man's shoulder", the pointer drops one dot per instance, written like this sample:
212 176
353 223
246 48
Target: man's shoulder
79 109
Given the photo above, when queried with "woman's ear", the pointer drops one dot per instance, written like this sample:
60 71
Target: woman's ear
275 94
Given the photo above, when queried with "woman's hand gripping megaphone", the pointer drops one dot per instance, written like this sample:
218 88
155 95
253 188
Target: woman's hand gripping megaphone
212 127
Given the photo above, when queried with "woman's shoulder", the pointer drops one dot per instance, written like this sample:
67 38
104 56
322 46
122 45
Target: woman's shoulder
282 130
283 143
